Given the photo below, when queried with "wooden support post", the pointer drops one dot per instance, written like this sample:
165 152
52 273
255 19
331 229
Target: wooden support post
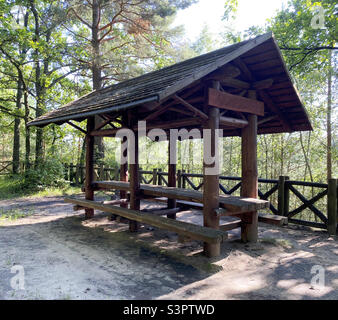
134 176
249 187
89 213
123 172
332 207
159 176
172 174
155 177
283 196
179 179
211 181
184 184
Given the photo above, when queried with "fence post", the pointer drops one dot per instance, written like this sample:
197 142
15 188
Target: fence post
283 196
332 207
71 174
154 176
183 180
66 171
159 179
179 179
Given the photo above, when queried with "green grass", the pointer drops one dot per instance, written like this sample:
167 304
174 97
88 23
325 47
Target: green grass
14 214
12 187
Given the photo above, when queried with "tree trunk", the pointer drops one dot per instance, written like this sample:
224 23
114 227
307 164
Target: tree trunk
16 138
96 70
328 120
27 133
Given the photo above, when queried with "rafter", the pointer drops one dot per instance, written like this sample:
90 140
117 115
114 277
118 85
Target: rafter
271 105
191 107
77 127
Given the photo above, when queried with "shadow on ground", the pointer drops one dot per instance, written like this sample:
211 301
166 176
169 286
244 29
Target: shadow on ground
65 257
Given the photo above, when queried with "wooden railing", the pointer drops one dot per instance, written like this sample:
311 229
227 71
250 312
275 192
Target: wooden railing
6 167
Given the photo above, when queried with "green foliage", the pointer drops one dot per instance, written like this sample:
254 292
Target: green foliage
50 173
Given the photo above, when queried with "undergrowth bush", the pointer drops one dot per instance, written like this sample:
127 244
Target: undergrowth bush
50 173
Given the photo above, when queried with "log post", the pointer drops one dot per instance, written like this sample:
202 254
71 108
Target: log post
211 181
184 184
159 176
123 172
283 196
179 179
89 213
172 174
332 207
155 176
134 176
249 229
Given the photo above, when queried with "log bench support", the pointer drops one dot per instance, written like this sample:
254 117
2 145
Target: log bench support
249 187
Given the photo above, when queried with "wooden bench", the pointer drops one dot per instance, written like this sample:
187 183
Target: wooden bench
190 230
230 203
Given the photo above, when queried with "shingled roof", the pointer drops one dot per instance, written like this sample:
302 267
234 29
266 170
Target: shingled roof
261 55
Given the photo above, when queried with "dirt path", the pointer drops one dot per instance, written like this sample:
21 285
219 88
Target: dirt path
65 257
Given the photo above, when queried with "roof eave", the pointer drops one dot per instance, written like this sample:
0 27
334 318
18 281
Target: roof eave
62 119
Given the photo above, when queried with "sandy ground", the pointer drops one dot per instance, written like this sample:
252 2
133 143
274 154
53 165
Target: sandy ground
67 257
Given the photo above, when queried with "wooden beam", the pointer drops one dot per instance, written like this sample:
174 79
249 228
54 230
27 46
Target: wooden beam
182 111
160 124
232 122
232 102
161 212
104 123
157 113
272 219
89 191
270 104
76 127
230 225
244 69
249 186
235 83
191 107
180 227
267 119
262 84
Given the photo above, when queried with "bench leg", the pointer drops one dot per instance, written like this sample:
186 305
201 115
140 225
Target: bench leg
212 249
89 213
249 227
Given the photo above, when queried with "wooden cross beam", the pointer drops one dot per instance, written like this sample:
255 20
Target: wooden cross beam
77 127
191 107
232 102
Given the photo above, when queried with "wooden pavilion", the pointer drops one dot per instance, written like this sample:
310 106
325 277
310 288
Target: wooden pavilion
243 89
